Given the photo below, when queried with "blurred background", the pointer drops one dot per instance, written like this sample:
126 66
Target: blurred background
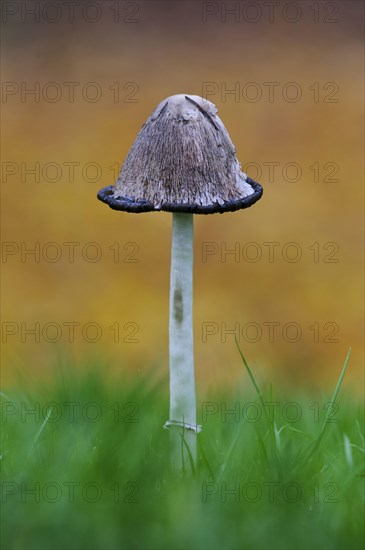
82 281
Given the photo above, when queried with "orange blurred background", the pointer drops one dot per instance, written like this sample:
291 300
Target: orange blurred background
296 304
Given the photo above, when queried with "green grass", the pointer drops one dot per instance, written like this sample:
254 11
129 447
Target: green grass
296 482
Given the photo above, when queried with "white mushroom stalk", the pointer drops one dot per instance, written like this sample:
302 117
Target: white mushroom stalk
181 347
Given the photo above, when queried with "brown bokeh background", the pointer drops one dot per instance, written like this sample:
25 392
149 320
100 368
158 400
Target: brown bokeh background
169 49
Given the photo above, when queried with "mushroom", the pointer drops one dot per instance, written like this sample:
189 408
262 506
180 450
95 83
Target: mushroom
182 161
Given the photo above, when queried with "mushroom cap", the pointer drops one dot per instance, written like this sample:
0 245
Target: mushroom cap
182 160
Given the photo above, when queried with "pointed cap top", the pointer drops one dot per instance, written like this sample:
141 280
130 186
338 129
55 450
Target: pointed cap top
182 160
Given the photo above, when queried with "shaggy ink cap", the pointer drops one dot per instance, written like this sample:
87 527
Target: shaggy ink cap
183 162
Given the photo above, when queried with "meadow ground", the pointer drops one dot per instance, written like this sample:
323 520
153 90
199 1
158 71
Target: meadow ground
85 465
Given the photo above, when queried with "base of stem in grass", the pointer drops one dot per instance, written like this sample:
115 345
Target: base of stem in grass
182 446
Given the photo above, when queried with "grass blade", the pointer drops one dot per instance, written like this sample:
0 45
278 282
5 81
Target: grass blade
190 456
255 385
42 426
337 389
204 457
317 442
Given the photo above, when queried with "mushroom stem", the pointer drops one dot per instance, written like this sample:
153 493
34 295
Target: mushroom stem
182 383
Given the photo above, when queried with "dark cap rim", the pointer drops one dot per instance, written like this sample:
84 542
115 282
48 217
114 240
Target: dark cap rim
126 204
